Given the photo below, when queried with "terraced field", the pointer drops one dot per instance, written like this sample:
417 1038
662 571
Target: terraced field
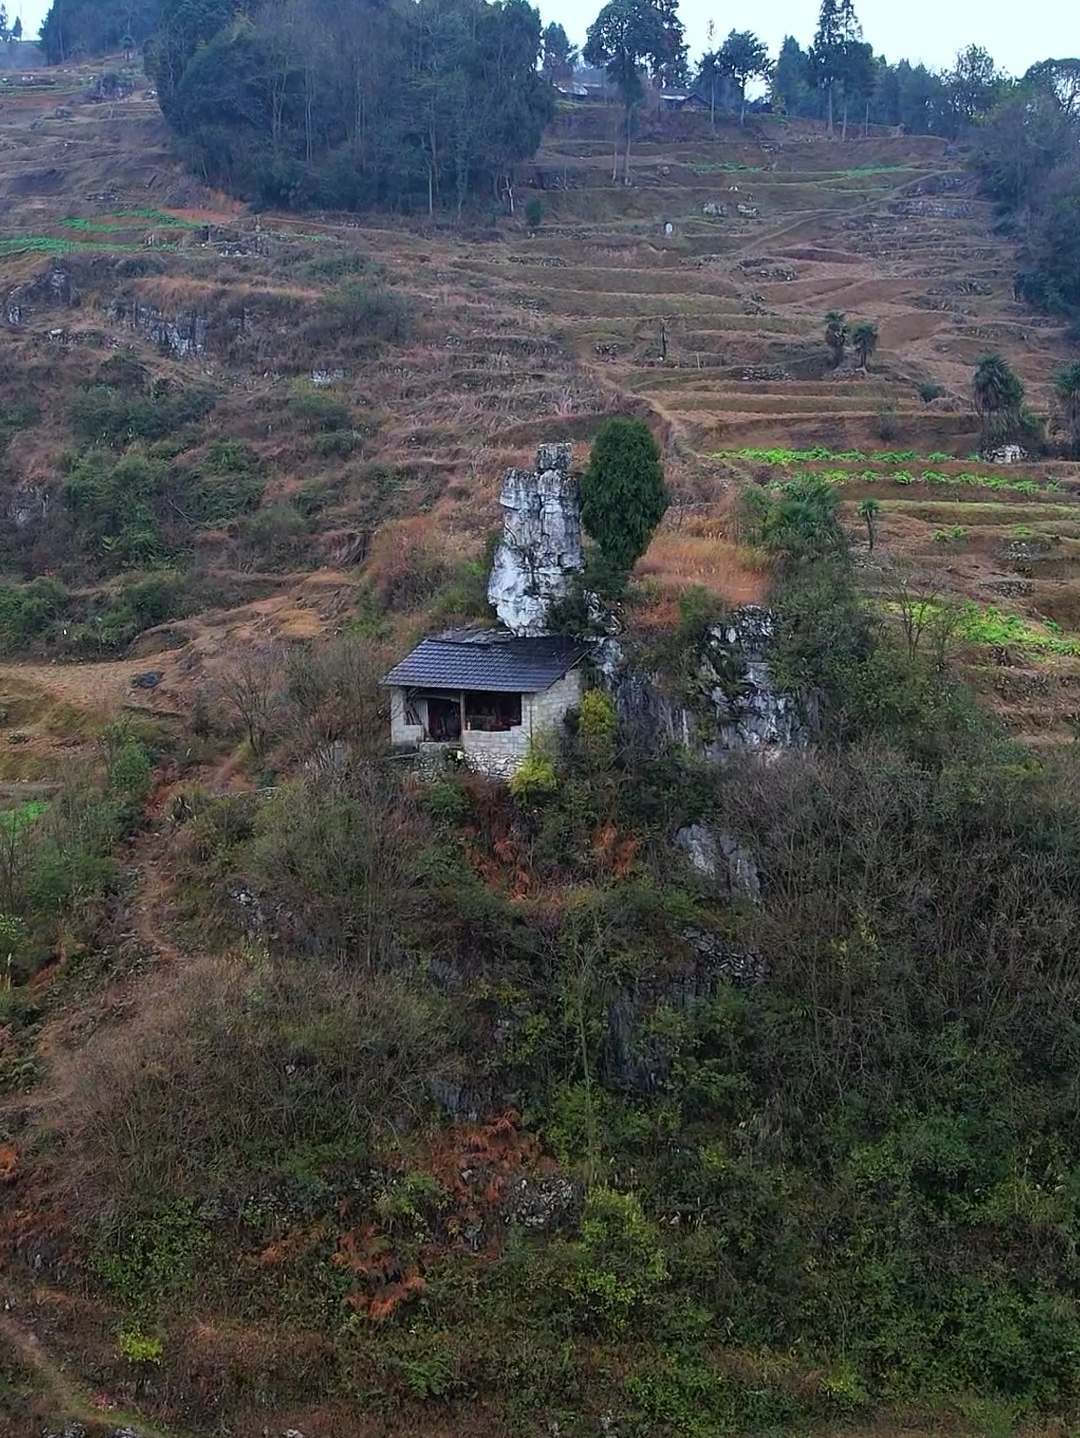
695 296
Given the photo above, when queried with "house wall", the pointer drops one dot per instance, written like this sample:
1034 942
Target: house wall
499 753
400 732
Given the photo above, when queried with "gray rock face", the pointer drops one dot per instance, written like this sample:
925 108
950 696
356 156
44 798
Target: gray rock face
738 706
29 505
182 336
540 1203
751 712
541 545
718 855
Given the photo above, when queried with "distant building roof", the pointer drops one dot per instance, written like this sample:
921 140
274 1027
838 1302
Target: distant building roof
487 659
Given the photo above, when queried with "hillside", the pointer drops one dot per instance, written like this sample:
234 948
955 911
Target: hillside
336 1103
494 338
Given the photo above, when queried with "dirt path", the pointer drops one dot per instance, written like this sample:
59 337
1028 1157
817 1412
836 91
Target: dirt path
69 1401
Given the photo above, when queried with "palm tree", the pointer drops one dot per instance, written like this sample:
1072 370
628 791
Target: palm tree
836 335
1067 389
997 392
865 337
869 511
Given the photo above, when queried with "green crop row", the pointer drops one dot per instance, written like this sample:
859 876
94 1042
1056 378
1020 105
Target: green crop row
936 477
785 457
122 220
52 245
991 626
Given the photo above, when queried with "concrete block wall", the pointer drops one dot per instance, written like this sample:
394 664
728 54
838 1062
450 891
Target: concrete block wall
548 710
500 753
400 732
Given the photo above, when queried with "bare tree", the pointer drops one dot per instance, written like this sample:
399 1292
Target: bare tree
253 691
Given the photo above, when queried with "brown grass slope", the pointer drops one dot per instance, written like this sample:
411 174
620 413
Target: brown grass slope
711 331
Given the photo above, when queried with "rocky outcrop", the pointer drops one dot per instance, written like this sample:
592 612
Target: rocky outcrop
733 704
717 855
29 505
182 336
540 549
751 712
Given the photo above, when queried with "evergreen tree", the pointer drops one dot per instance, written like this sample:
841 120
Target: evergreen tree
623 494
559 54
838 27
743 57
626 34
790 88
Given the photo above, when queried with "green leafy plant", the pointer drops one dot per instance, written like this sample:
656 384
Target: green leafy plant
139 1347
534 779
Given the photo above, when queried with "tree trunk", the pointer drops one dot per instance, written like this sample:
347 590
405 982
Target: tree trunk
626 164
829 93
843 129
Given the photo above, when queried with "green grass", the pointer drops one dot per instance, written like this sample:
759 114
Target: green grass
51 245
785 458
18 818
991 626
123 219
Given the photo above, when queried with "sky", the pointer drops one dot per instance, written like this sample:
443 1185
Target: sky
928 30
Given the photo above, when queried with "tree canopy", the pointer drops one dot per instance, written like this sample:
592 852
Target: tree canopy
623 494
1028 161
95 27
629 34
414 106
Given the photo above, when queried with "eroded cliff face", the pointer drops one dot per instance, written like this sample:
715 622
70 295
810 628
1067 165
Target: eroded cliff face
540 550
733 704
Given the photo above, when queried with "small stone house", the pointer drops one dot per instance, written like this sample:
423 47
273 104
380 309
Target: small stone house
485 692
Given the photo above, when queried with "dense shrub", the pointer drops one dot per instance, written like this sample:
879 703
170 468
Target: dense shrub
102 414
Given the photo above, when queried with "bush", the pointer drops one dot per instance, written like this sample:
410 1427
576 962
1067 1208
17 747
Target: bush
596 727
100 414
28 612
929 391
336 443
314 410
273 536
534 778
534 212
623 494
620 1264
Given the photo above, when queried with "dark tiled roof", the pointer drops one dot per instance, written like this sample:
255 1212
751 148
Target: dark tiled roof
487 659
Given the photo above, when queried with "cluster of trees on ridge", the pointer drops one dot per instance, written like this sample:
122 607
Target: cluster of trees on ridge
13 31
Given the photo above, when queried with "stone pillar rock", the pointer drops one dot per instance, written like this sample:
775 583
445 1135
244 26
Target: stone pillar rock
541 544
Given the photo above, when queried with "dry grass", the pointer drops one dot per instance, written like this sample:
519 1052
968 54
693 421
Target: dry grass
701 553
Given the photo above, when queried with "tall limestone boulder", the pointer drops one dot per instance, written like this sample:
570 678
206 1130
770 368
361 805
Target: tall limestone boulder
541 545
